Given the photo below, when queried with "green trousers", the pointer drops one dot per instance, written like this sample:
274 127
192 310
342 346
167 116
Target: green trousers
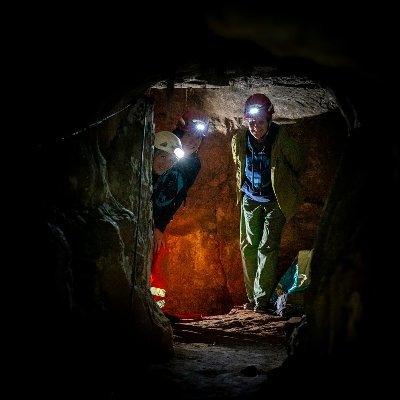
261 228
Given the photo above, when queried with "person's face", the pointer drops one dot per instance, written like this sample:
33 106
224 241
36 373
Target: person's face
162 162
258 127
190 143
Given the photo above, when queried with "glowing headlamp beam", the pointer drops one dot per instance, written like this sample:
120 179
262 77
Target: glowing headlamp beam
254 110
200 126
179 153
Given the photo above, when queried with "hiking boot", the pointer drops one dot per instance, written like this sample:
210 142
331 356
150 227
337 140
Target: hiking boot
249 306
264 310
290 311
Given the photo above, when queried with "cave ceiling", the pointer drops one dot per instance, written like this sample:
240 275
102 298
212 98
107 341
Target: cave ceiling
294 96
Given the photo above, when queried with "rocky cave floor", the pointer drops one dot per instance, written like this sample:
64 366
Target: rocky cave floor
224 356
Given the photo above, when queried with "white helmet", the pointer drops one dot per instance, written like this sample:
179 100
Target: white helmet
167 141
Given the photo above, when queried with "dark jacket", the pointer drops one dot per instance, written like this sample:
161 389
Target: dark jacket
170 189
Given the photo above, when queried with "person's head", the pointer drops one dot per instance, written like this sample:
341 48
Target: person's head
258 111
167 150
191 129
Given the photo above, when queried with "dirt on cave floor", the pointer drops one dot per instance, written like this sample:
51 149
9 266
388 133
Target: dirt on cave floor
224 356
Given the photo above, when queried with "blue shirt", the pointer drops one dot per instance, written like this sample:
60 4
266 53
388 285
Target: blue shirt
257 184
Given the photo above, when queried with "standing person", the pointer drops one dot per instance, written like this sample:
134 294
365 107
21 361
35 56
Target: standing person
268 163
170 192
167 150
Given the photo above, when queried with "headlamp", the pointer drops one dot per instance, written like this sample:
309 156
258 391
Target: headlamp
179 153
199 125
254 110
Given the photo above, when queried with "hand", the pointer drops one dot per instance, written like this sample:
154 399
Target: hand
158 240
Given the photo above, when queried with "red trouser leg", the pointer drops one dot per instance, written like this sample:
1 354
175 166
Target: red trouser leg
158 276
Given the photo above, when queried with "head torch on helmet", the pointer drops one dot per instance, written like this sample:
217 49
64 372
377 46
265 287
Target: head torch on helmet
179 153
258 105
195 123
167 141
255 109
199 125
